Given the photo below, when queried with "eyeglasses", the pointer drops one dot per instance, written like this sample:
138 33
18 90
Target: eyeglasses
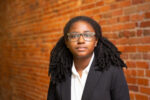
74 36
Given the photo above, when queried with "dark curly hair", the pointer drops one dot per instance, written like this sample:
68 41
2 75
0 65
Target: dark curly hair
106 54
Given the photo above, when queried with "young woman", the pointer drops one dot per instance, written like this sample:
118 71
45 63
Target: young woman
86 66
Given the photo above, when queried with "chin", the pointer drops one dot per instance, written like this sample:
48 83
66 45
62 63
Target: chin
82 55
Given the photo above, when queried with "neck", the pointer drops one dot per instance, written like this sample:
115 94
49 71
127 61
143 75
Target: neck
81 63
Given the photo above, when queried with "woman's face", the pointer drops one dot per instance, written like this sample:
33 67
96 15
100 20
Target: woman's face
81 48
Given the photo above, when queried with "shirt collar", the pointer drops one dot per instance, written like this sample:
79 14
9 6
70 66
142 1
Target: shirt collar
86 70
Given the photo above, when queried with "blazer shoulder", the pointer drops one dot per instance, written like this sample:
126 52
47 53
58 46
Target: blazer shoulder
119 87
113 68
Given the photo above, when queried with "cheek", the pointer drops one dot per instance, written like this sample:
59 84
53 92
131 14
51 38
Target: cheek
70 46
92 46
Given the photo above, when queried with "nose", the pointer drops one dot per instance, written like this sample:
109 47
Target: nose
81 39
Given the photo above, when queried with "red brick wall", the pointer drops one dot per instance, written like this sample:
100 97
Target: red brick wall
30 28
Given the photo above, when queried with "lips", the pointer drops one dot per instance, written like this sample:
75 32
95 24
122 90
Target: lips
81 48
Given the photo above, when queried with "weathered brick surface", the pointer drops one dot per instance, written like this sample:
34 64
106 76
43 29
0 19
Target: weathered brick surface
29 30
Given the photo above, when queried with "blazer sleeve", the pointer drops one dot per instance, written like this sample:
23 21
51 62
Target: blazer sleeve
119 87
51 92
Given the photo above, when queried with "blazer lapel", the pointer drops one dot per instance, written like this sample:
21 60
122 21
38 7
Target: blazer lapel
91 82
66 89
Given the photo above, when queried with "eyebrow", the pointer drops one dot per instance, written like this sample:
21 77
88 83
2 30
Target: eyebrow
79 32
87 31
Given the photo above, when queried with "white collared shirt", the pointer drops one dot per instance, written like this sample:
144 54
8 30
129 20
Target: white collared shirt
77 82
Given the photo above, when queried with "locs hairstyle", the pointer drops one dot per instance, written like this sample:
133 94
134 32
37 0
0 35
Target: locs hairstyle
106 54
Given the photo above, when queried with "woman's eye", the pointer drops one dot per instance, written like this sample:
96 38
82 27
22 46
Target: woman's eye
73 36
87 35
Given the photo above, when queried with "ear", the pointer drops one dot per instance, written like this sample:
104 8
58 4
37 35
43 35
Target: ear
96 42
66 43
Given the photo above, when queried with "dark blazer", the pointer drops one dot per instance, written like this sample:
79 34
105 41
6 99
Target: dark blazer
106 85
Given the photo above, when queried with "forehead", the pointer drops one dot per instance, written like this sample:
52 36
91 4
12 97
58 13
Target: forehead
81 26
